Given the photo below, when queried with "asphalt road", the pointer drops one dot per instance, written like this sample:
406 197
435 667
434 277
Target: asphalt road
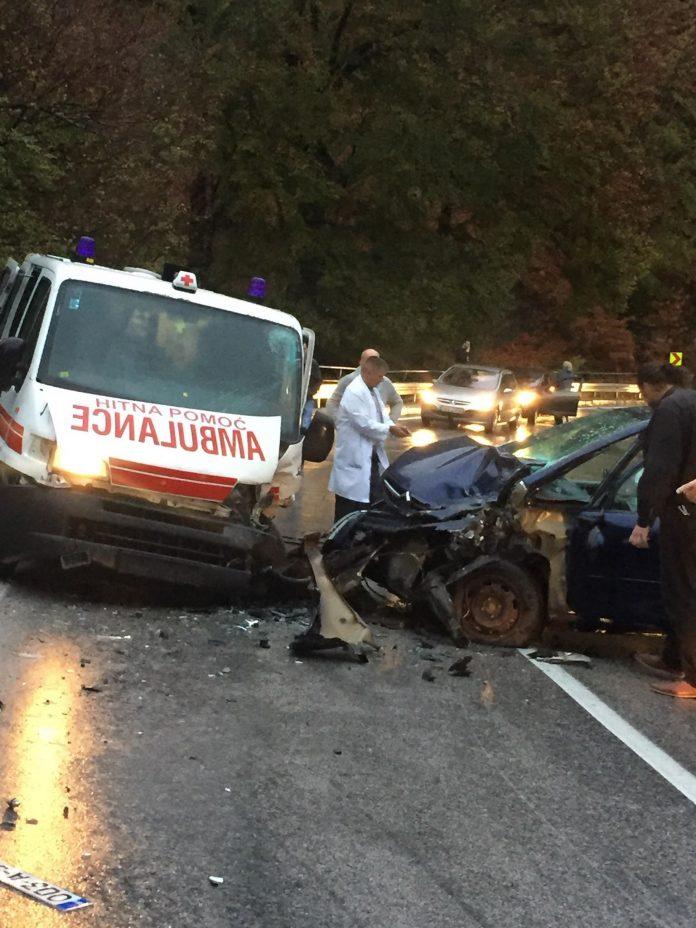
326 793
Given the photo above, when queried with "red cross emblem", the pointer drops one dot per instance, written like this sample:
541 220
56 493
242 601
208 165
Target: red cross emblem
186 280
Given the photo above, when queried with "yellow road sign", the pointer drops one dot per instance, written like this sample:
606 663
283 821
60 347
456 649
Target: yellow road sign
676 358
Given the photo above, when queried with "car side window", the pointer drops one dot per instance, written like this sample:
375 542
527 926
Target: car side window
23 301
580 483
626 496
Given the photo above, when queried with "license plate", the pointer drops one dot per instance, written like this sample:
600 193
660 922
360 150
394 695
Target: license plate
60 899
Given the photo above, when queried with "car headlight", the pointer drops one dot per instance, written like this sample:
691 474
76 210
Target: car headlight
78 462
428 398
484 403
527 397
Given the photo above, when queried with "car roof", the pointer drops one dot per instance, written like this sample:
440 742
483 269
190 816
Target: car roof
481 367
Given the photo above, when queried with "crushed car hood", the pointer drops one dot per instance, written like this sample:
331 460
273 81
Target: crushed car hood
454 472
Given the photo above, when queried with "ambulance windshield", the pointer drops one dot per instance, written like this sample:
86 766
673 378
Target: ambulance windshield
143 346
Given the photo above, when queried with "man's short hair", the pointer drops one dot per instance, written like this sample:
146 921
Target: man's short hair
368 353
375 364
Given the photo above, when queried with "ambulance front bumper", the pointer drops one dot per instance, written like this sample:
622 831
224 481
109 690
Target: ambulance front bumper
79 528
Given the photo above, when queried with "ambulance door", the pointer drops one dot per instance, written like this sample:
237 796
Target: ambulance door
25 324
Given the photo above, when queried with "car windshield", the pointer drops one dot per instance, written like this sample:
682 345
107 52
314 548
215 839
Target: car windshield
473 377
143 346
555 443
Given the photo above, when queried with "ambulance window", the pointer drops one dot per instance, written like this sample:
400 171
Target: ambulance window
29 330
9 302
24 299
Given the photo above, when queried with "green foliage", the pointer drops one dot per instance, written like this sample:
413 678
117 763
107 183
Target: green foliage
403 175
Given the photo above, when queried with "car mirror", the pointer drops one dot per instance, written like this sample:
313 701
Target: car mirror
319 438
11 354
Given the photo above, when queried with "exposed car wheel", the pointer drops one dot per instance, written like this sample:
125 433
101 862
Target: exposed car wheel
426 420
531 417
513 424
499 604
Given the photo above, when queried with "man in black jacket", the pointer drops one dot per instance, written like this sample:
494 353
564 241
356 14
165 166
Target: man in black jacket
670 462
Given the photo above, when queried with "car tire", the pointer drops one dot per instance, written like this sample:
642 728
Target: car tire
500 604
531 417
489 424
426 420
513 425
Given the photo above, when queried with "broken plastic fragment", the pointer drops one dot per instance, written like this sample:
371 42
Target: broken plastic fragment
460 668
561 657
216 880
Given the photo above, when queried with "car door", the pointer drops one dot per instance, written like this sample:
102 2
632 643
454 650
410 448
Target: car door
607 576
573 486
558 402
26 323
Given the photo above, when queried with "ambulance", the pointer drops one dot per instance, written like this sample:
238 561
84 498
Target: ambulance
142 421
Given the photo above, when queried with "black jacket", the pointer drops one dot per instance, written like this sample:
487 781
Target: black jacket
670 454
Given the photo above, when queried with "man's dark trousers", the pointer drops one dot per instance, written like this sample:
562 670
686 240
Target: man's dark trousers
678 572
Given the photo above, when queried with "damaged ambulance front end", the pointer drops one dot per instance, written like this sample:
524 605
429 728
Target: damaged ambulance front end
143 422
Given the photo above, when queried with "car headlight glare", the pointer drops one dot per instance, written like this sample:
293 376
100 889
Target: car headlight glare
78 462
428 397
527 397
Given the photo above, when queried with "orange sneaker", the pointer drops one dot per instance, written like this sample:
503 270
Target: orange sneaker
679 689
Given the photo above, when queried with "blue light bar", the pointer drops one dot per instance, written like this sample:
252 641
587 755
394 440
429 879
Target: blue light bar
85 250
257 288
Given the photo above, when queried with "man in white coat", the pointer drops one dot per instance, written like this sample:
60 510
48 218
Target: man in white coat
362 427
386 390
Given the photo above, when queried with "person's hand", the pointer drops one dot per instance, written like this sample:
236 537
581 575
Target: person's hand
400 431
689 491
640 537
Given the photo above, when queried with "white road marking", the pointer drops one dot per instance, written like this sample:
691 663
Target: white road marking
659 760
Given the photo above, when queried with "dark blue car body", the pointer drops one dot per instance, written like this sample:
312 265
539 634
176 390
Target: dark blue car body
593 485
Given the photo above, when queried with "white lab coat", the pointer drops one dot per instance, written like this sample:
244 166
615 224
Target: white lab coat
358 431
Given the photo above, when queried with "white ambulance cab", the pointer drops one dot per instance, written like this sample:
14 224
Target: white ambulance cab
142 421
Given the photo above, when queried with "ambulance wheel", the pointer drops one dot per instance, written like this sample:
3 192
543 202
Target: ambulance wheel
531 417
426 420
489 424
499 604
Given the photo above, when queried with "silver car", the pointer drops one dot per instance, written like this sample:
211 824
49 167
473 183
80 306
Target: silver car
473 393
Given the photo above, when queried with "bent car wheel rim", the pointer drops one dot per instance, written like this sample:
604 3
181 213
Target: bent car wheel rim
492 605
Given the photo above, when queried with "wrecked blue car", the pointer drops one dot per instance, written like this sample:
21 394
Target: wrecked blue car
499 541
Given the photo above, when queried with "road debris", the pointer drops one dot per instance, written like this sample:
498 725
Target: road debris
336 624
460 668
90 689
66 811
561 657
487 696
264 643
114 637
428 675
2 705
216 880
60 899
10 817
32 821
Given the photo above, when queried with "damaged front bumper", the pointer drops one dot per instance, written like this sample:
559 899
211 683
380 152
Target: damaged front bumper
432 557
81 527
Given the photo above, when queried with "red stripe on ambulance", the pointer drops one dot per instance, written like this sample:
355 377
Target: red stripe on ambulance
11 432
165 480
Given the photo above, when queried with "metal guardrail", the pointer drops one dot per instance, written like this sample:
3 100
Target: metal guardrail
605 387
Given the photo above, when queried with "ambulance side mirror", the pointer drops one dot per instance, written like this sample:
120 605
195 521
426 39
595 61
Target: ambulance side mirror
11 355
319 438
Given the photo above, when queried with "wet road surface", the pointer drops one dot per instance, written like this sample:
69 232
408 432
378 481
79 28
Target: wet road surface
325 792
